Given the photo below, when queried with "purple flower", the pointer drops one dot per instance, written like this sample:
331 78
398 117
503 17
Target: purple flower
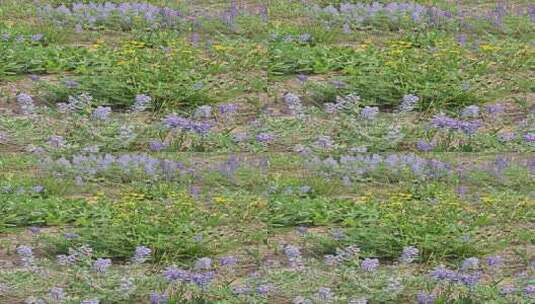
176 274
424 145
56 141
26 255
264 289
443 273
203 263
228 261
425 298
325 295
529 290
369 265
101 113
202 280
239 290
101 265
56 294
441 121
34 77
294 256
508 289
142 102
203 112
470 111
294 104
529 137
141 254
468 279
461 39
90 301
324 143
495 109
65 259
34 229
302 78
369 113
494 261
227 109
26 104
195 38
173 121
157 145
37 37
38 189
506 136
70 83
158 298
470 263
408 103
409 254
264 137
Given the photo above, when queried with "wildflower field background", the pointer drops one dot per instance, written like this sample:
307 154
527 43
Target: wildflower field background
282 151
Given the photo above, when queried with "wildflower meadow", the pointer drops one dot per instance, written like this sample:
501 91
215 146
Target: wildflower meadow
282 151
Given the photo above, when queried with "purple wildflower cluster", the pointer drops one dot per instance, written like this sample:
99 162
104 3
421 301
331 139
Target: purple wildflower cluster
203 112
76 255
158 298
125 15
295 259
343 255
88 166
425 298
33 38
343 103
101 113
203 264
26 103
424 146
324 143
228 261
529 137
469 274
369 265
227 109
294 104
396 164
26 255
408 103
141 254
324 295
369 113
363 13
409 254
157 145
201 279
141 103
264 137
56 142
470 112
173 121
444 122
78 103
101 265
56 294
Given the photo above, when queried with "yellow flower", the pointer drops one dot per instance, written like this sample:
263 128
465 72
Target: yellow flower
220 200
489 48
